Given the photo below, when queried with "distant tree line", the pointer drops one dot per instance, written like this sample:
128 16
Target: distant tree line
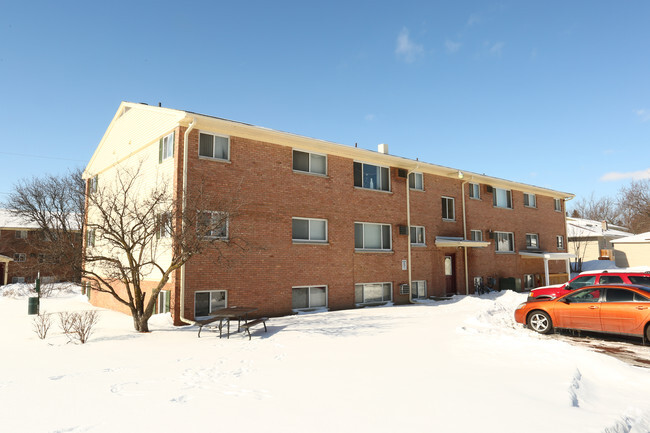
630 208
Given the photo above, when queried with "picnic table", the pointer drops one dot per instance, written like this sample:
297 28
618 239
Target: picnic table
227 314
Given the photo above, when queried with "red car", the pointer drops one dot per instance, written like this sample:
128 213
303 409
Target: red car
590 278
614 309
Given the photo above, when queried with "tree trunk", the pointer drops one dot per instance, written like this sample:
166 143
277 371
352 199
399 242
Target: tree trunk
140 322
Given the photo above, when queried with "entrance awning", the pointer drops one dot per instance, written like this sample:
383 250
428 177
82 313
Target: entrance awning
549 256
448 241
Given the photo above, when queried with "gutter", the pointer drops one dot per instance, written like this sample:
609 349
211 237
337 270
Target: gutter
408 227
185 156
462 194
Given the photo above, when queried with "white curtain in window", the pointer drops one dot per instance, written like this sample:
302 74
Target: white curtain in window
372 236
318 164
317 297
318 230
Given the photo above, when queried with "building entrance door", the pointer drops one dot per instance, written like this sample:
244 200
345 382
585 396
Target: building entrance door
450 275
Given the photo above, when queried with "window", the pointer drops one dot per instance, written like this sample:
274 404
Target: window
557 204
474 191
214 225
417 235
21 234
16 280
448 209
309 230
579 282
90 238
371 176
502 198
560 242
164 225
532 240
214 146
529 281
419 289
207 302
504 242
642 281
309 162
162 302
530 200
477 235
20 257
308 297
369 236
416 181
374 292
92 184
166 147
610 279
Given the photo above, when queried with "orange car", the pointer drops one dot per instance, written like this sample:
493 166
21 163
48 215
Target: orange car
613 309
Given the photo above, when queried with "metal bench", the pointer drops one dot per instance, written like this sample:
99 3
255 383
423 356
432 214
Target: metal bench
255 322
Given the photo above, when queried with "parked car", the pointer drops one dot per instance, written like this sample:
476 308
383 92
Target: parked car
615 309
590 278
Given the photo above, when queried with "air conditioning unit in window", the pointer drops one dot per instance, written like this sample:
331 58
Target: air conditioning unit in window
403 230
404 289
402 172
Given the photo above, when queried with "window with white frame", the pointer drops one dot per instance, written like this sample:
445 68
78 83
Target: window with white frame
309 162
560 242
162 302
504 242
166 147
21 234
417 235
371 176
557 203
373 292
164 225
419 289
93 183
477 235
208 301
530 200
16 280
478 283
474 191
308 297
502 198
214 146
309 230
370 236
448 213
20 257
214 224
416 181
532 240
90 238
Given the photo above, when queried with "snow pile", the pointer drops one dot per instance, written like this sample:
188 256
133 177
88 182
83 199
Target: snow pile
460 365
22 290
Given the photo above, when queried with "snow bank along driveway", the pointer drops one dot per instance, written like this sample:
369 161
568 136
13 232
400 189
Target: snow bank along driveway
456 366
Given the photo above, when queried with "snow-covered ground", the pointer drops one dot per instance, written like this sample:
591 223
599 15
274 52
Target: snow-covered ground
461 365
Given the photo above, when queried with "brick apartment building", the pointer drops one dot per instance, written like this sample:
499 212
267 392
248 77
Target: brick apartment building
335 226
21 259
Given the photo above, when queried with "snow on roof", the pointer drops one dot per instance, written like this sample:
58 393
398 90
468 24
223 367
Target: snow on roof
641 238
584 228
10 221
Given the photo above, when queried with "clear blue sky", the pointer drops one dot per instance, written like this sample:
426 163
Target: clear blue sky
551 93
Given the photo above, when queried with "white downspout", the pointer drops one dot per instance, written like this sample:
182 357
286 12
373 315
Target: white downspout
408 231
462 194
185 156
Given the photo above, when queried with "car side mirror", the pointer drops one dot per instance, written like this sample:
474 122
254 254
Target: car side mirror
564 301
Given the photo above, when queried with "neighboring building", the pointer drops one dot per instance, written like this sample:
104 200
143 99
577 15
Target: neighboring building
592 240
632 251
327 225
20 257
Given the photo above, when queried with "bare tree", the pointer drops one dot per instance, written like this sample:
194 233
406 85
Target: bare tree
41 324
56 204
634 200
598 209
134 236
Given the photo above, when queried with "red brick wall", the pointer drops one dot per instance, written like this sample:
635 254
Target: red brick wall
264 272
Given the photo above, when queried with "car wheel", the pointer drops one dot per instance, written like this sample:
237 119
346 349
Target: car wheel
647 332
540 322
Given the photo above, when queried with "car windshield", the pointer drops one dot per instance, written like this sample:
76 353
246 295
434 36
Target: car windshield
579 282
